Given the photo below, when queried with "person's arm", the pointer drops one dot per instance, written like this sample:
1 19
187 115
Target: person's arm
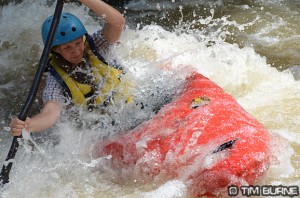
40 122
114 19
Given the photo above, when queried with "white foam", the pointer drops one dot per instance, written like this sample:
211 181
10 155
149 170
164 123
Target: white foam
281 166
151 55
171 189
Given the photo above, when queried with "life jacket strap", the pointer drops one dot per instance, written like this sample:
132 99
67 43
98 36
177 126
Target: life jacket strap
58 78
99 56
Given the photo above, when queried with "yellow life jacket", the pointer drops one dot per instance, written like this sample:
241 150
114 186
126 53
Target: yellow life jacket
105 83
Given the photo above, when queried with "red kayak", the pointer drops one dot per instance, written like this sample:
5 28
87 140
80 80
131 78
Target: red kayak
204 138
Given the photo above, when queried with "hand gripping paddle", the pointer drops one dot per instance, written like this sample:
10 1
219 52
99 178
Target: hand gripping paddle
4 177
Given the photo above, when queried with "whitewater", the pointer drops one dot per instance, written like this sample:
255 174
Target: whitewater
59 163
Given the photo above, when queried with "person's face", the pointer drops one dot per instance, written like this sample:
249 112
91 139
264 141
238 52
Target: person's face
72 51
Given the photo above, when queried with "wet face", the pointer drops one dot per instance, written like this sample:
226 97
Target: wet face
72 51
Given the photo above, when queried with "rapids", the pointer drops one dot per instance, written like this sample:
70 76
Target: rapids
250 49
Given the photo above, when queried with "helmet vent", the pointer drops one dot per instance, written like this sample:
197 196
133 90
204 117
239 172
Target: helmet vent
69 28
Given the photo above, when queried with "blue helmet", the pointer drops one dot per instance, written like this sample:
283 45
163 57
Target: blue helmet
68 29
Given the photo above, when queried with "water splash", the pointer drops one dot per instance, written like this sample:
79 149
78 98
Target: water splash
154 57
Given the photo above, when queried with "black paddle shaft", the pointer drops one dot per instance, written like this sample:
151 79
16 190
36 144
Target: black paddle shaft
4 178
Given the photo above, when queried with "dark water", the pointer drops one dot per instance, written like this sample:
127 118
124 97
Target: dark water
271 27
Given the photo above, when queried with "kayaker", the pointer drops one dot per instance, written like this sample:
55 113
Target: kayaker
77 71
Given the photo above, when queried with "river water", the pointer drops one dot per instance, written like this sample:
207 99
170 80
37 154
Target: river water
249 48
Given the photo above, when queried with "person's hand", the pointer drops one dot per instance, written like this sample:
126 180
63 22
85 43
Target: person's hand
17 125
